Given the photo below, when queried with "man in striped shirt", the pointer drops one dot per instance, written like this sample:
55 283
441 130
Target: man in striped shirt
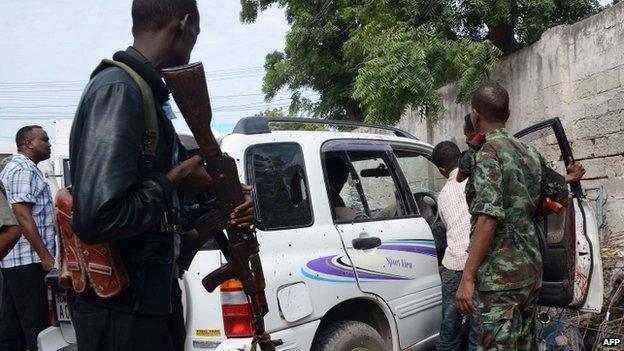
23 313
454 212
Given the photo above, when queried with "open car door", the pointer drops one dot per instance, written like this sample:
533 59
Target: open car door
573 267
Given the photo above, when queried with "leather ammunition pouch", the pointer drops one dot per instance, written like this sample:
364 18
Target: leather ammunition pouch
96 267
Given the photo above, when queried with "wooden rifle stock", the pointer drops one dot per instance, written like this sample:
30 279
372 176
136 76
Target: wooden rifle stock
190 92
188 87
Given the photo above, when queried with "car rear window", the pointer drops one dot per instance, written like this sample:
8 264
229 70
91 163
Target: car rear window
277 172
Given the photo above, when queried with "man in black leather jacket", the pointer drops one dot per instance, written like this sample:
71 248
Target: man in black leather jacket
115 201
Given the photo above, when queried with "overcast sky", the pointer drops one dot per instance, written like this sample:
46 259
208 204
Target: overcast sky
49 49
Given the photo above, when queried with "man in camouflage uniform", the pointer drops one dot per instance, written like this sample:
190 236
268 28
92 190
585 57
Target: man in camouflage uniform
503 196
9 230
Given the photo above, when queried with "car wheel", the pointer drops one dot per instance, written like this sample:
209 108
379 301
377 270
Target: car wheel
348 336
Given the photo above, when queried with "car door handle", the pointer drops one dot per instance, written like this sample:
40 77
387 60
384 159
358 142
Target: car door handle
366 243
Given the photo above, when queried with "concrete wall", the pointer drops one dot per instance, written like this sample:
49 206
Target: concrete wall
574 72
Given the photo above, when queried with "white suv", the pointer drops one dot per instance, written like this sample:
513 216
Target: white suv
343 222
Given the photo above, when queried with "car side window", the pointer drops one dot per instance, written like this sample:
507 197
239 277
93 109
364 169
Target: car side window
362 186
421 174
277 172
424 181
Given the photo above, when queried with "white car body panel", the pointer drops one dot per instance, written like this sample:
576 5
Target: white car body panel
595 290
204 324
52 339
402 271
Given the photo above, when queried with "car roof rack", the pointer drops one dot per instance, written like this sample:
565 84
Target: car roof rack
260 125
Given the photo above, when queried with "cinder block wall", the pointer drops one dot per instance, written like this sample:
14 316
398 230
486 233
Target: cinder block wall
576 73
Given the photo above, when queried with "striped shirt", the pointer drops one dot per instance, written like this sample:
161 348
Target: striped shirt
24 182
454 212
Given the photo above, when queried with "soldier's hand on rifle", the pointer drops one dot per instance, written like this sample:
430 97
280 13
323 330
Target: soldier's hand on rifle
190 176
575 171
245 214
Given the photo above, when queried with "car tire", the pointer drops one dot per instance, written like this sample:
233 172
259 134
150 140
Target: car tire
348 336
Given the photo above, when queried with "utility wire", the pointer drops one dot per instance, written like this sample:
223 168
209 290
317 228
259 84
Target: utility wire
43 98
230 71
46 115
6 109
26 89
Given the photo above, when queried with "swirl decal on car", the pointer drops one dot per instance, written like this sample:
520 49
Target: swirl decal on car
392 261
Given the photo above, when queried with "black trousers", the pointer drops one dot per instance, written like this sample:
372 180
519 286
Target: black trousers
24 309
102 329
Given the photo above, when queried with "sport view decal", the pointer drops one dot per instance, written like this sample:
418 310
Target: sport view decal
394 260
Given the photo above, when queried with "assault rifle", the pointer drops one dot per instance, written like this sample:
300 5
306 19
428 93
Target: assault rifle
188 87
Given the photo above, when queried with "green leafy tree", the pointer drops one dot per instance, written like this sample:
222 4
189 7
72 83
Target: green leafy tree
372 59
313 58
512 24
272 112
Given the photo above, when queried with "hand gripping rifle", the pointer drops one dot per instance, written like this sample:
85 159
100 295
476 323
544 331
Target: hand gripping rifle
188 87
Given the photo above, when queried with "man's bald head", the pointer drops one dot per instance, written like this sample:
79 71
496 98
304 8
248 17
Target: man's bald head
491 101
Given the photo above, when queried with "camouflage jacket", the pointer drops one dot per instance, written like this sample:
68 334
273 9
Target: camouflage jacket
507 179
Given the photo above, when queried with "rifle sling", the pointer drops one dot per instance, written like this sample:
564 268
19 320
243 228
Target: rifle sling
150 139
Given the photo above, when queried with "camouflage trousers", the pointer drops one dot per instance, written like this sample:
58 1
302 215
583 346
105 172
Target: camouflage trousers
507 319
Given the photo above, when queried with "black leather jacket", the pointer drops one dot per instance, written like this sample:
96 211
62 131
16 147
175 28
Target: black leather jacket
113 199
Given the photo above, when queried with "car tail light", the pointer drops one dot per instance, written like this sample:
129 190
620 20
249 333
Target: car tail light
52 307
237 315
